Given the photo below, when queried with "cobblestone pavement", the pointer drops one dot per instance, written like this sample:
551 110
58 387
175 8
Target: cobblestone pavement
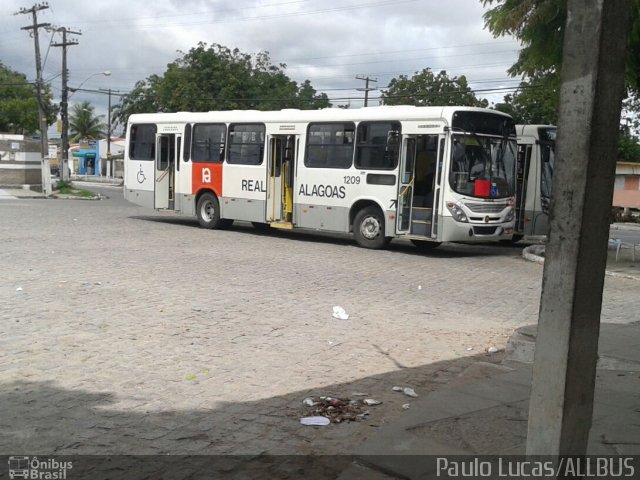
129 331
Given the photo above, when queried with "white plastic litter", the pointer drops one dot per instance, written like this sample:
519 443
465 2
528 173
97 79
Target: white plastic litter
19 289
409 392
419 287
406 406
339 313
492 350
396 388
371 401
315 421
308 402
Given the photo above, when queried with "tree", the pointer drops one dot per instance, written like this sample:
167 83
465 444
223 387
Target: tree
84 123
19 103
218 78
539 25
628 147
425 88
535 101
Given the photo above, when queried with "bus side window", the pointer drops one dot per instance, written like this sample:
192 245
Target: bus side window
142 143
246 144
330 145
208 142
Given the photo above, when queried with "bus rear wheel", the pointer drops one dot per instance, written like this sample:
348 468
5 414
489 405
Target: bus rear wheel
368 228
208 211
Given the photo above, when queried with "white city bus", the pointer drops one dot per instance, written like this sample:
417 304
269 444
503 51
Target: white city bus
536 157
427 174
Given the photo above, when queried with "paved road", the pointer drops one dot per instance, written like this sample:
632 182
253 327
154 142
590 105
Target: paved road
124 330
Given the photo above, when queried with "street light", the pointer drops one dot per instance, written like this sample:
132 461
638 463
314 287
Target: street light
106 73
64 113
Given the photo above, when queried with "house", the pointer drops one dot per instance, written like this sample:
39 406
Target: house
20 161
626 190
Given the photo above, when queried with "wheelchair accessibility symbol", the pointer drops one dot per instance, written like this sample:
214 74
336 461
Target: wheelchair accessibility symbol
141 177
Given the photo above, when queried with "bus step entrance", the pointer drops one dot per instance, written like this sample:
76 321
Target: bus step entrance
421 221
282 225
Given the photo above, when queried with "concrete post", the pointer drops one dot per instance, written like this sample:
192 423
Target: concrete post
561 405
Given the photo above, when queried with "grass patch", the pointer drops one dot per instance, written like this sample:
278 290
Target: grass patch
67 188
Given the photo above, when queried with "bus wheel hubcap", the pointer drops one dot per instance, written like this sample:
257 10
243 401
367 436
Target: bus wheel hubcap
370 228
208 211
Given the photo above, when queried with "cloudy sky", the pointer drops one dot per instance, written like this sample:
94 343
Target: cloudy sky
329 42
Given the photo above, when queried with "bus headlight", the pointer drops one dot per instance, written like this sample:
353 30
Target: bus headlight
457 213
510 215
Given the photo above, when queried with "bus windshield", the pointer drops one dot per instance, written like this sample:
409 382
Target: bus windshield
483 166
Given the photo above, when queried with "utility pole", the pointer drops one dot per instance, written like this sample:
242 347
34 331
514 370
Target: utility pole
64 104
366 89
591 91
42 115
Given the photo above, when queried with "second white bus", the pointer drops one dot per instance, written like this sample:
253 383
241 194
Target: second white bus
536 158
427 174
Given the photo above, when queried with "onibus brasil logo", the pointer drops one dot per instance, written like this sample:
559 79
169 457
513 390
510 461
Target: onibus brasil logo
33 468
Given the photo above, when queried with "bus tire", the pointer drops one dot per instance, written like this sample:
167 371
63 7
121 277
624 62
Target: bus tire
208 211
368 228
424 245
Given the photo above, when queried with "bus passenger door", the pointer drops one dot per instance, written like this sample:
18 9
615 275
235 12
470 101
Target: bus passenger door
283 150
437 187
164 171
405 188
419 186
522 180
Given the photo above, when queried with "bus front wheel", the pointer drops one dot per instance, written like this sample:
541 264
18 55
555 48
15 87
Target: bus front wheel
368 228
208 211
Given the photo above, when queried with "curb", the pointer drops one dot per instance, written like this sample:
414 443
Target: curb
532 253
625 226
74 197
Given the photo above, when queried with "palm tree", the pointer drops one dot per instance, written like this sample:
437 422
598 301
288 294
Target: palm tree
84 123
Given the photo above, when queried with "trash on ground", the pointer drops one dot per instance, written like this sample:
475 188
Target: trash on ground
409 392
469 349
315 421
359 394
396 388
339 313
338 410
19 289
492 350
419 287
406 406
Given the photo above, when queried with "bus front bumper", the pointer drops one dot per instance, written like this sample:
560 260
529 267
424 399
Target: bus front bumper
454 231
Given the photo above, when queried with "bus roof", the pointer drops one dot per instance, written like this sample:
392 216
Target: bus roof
399 112
530 130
